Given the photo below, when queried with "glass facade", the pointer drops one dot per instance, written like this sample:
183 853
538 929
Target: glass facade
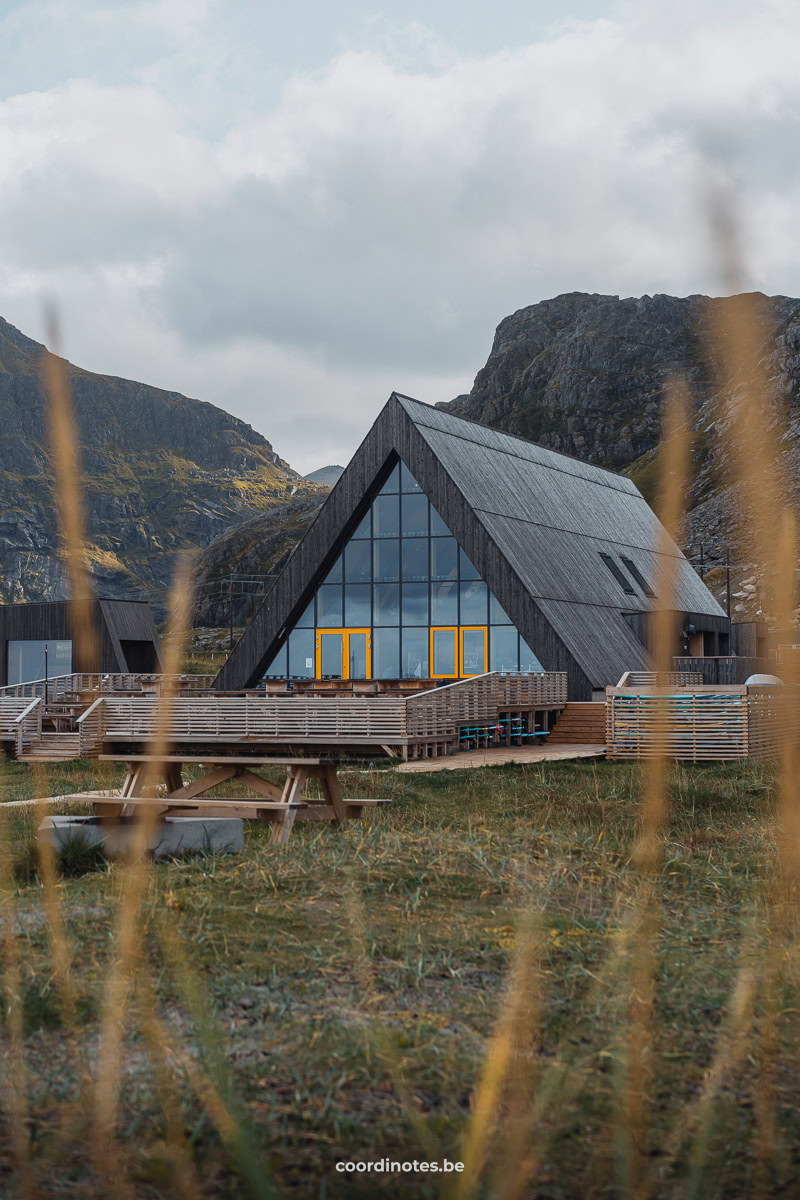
28 661
403 600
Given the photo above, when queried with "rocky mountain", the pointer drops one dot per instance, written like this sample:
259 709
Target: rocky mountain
326 475
585 374
240 565
161 473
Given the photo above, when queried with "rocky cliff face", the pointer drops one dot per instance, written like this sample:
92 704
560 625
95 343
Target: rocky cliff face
240 565
161 473
585 374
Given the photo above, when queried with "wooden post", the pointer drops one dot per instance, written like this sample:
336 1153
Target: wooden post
333 792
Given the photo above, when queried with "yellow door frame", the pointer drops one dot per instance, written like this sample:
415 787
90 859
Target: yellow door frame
444 629
345 633
484 629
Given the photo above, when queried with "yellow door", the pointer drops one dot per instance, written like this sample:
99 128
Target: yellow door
473 650
444 652
344 654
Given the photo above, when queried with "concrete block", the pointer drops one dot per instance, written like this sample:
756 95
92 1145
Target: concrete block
170 837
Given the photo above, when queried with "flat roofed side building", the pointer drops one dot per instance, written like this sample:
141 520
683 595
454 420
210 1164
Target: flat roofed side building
565 553
125 640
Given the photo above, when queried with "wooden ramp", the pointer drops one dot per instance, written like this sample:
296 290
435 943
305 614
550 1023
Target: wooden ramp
499 756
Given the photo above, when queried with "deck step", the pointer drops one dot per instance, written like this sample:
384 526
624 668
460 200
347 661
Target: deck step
53 747
580 723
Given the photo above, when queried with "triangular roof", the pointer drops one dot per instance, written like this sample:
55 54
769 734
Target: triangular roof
533 521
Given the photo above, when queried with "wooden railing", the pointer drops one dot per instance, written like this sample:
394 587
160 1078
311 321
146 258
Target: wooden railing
20 721
246 720
660 679
350 721
699 723
29 725
10 709
91 729
479 701
548 689
727 669
61 688
441 711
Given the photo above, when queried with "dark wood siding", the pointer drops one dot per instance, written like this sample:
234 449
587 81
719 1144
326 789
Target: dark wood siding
54 622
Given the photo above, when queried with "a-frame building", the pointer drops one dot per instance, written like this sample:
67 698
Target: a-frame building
448 548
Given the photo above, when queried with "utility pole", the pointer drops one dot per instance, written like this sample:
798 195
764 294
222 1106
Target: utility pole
728 579
230 609
702 562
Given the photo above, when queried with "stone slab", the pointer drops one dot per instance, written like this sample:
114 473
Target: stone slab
171 837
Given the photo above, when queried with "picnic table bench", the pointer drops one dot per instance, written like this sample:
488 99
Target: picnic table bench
281 806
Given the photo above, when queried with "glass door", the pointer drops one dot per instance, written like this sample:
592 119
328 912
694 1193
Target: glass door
344 654
473 650
444 656
330 654
359 654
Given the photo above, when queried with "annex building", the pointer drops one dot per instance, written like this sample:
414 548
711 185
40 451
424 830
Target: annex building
448 549
39 640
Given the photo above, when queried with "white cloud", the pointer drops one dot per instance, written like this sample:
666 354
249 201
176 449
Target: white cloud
370 229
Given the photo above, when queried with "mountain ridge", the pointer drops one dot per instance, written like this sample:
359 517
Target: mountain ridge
162 473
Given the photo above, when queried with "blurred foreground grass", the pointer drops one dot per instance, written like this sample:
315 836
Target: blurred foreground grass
354 978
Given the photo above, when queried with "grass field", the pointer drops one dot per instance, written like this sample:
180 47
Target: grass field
335 998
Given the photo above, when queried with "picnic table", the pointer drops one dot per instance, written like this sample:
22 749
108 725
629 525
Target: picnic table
280 806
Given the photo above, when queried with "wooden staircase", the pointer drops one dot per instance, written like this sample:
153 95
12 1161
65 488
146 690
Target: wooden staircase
580 724
53 747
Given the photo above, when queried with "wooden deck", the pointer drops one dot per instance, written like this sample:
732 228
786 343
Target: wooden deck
81 716
423 724
499 756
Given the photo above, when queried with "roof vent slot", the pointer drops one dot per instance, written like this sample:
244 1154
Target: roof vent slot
618 574
637 575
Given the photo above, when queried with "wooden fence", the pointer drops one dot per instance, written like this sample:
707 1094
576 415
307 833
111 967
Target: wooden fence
698 723
435 716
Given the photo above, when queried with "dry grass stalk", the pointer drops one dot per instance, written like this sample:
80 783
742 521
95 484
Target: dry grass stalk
68 497
214 1085
15 1084
162 1052
634 1110
514 1033
377 1032
753 435
135 881
59 943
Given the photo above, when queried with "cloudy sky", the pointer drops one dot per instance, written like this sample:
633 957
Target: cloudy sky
291 209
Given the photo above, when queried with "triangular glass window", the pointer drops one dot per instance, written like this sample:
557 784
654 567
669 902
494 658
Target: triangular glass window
402 600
